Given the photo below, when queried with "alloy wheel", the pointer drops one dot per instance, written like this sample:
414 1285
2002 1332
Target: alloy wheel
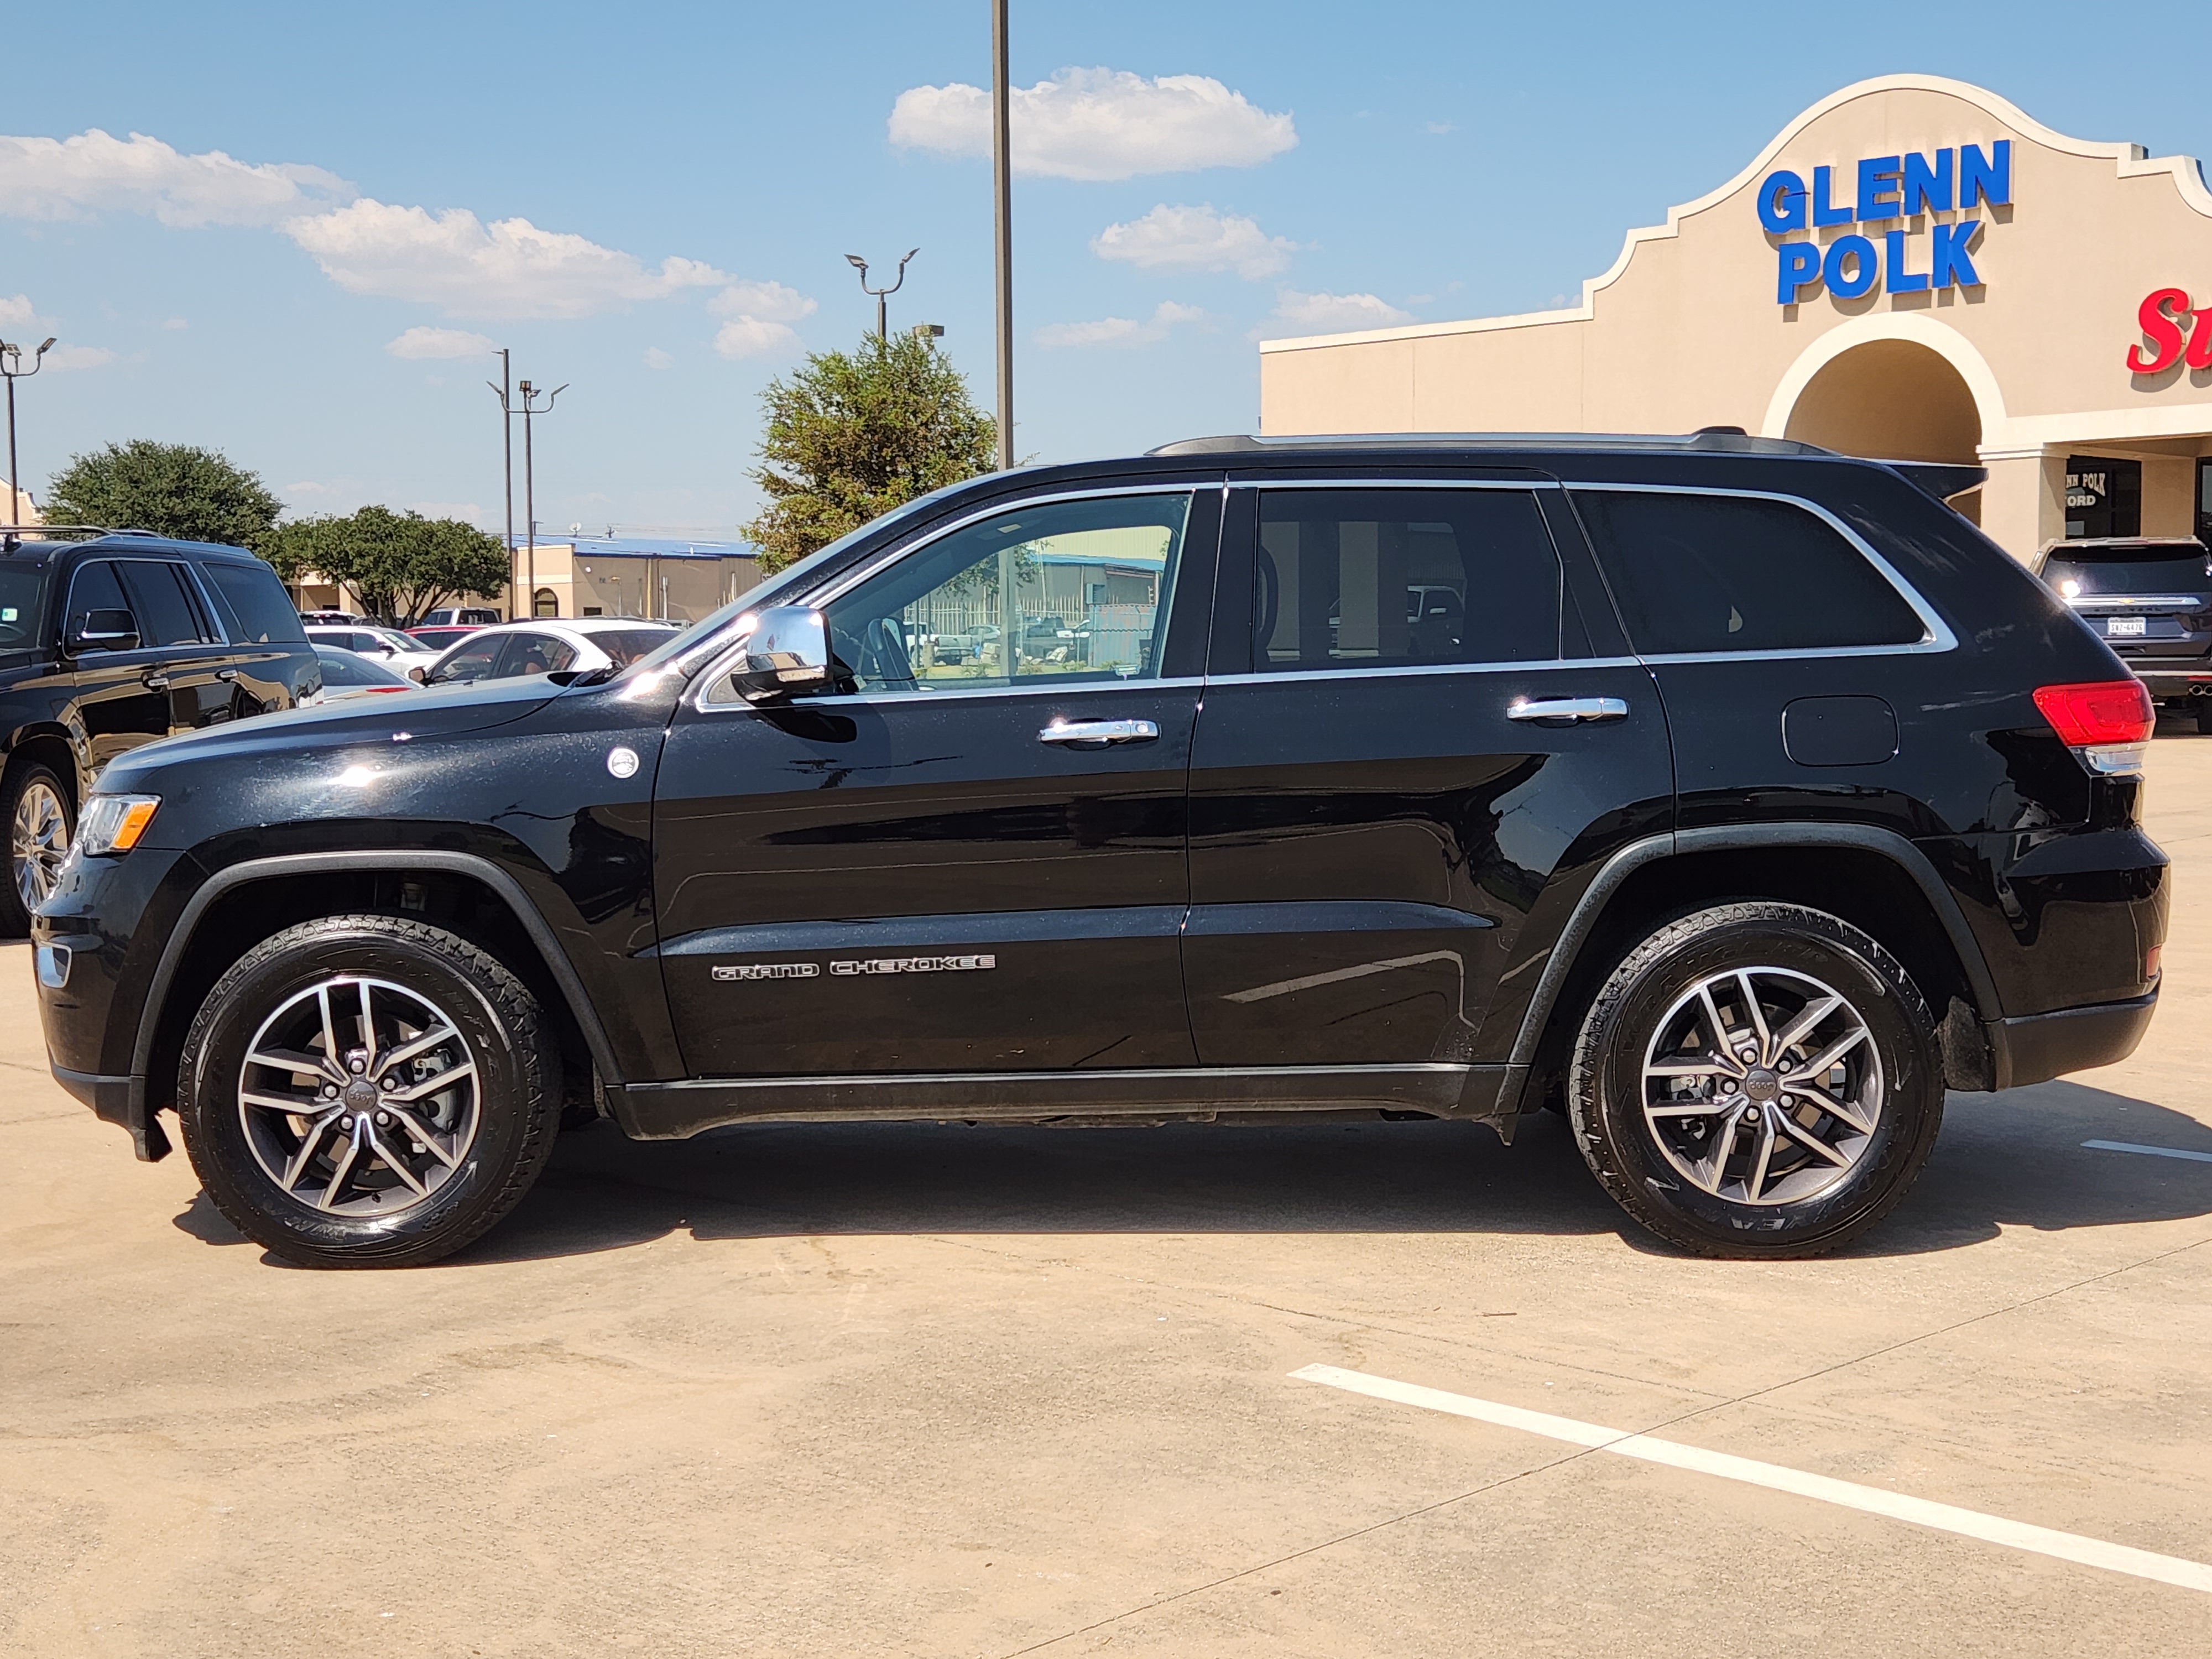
37 841
359 1098
1762 1086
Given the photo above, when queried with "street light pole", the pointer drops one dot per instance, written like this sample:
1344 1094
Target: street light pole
506 451
530 409
1002 169
861 265
11 364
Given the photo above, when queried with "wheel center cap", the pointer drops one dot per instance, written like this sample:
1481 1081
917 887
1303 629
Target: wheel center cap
360 1095
1761 1083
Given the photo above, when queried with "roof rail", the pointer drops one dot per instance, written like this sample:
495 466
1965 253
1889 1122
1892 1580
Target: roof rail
15 535
1727 439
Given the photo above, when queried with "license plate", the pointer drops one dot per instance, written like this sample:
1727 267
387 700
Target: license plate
2121 627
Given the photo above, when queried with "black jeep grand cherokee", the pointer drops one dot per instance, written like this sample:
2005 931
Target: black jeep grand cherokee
1744 798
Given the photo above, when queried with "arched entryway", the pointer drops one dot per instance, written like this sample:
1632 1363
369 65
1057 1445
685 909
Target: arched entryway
1895 400
1898 387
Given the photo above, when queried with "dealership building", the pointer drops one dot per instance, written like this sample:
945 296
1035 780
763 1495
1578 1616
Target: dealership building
1914 270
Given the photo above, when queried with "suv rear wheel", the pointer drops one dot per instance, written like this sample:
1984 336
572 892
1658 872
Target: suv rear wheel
1757 1079
35 804
368 1091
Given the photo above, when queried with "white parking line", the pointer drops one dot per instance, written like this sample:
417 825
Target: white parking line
1943 1517
2151 1151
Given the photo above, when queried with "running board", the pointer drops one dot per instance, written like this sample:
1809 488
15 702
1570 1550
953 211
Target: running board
675 1111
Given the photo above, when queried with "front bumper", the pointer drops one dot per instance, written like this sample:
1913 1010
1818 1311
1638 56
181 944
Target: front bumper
119 1100
2036 1048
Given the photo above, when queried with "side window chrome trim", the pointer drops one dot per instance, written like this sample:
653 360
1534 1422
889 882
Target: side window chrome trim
1353 481
1343 676
1936 637
205 588
1076 690
844 584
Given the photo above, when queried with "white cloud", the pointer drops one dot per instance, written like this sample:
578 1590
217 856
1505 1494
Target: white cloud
1325 312
1438 128
17 310
1099 124
434 343
509 267
753 337
63 358
656 358
1194 239
770 302
73 178
1121 331
176 322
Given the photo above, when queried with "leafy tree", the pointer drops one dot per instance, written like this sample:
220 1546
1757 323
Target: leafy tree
173 489
401 564
852 436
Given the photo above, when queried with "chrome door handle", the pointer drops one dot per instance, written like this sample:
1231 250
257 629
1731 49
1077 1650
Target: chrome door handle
225 673
1099 731
1570 710
155 682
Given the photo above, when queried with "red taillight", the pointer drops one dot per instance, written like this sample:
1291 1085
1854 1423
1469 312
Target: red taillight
2099 715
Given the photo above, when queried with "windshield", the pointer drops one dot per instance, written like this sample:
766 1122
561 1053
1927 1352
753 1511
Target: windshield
344 668
626 645
714 621
2129 571
22 590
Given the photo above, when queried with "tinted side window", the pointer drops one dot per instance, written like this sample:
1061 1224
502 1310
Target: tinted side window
166 614
257 609
1355 579
94 587
474 661
1732 573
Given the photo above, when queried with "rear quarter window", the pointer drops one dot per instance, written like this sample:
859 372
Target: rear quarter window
1703 574
256 610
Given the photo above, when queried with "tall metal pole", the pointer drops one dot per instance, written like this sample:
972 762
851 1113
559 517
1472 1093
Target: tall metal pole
1002 171
11 366
506 469
530 409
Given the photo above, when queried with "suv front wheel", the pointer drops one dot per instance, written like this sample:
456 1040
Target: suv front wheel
1758 1080
35 804
368 1091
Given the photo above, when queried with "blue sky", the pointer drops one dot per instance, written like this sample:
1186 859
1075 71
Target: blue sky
713 164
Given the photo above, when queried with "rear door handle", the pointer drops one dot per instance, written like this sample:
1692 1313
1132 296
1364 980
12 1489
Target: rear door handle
157 682
225 673
1567 710
1100 733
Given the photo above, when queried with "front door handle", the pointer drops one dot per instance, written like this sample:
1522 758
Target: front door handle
1098 732
225 673
1569 711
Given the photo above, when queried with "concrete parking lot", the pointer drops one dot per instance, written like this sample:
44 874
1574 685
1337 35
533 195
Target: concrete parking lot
949 1391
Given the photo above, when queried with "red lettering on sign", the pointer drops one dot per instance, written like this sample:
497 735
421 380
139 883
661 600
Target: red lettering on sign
2162 330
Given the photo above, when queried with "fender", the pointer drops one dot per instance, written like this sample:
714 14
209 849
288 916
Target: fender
1888 844
294 864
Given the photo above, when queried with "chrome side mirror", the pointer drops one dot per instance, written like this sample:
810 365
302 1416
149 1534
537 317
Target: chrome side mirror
789 651
103 630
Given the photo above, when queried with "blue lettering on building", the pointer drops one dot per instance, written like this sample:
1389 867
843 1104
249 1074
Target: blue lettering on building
1887 190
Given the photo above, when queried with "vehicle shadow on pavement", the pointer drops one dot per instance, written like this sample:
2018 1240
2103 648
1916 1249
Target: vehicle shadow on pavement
2004 1161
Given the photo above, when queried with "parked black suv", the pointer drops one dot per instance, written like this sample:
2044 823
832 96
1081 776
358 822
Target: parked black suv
109 643
2150 596
1745 799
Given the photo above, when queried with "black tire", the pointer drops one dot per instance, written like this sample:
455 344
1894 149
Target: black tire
1606 1089
511 1118
29 784
2202 708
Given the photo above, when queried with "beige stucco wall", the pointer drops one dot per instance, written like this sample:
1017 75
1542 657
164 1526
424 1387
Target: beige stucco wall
1685 330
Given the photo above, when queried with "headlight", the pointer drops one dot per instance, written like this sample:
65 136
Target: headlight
114 823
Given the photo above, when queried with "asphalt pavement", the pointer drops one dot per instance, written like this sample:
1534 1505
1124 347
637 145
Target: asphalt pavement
951 1391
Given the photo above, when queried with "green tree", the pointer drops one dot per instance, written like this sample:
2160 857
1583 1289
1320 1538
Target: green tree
852 436
173 489
401 564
